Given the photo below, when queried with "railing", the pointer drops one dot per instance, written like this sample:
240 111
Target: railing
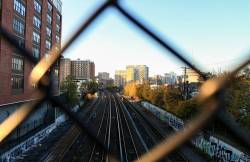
210 97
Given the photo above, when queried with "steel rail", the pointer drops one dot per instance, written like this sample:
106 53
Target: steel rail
122 133
130 133
98 133
153 132
109 128
59 151
119 130
134 126
106 135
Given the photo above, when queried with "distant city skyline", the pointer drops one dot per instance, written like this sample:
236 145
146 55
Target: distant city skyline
207 32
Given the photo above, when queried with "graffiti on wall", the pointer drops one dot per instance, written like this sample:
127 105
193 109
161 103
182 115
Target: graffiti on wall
215 148
219 150
173 121
26 145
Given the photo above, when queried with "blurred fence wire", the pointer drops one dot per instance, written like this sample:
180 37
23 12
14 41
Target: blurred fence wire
210 97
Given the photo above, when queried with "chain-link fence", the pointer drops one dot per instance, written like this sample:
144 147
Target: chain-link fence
210 97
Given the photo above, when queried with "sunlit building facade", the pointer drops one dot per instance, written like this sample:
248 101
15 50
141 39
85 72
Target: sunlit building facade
137 73
120 78
192 76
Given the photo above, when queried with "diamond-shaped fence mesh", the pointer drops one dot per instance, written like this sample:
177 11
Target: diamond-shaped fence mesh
210 97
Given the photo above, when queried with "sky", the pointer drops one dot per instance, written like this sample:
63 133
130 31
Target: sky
213 34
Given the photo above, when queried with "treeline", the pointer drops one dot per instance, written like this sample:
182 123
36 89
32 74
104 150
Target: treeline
237 98
169 99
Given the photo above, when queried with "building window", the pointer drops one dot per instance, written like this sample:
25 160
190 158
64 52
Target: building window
58 18
48 31
37 6
19 7
56 72
17 82
49 19
20 42
17 64
17 78
35 52
57 39
49 7
48 44
58 28
36 37
37 22
18 26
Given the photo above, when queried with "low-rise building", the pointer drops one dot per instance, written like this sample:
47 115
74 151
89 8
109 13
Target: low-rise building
192 76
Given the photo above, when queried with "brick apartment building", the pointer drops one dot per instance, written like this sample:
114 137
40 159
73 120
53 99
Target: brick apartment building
36 24
81 70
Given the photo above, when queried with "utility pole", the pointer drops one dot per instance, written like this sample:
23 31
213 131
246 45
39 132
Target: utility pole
184 83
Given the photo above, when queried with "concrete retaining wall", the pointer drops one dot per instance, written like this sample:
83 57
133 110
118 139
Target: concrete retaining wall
18 150
214 147
43 114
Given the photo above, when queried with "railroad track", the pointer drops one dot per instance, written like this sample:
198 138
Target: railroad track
151 133
122 129
62 146
98 154
117 133
129 148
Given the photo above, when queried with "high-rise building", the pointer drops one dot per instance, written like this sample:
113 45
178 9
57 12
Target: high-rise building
92 70
83 69
130 73
170 78
120 78
36 24
65 68
156 80
136 73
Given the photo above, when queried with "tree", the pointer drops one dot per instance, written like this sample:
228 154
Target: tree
92 87
246 72
237 100
70 87
146 90
130 90
187 109
172 98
